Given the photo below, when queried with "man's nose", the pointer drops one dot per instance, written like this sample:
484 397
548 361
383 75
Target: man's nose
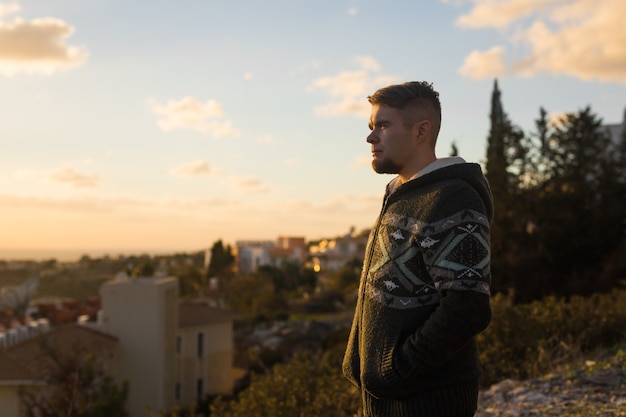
371 138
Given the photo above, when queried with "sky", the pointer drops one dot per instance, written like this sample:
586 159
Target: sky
160 126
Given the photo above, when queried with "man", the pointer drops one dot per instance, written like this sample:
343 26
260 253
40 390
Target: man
424 291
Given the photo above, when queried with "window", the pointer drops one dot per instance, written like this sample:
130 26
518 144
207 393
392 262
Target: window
200 344
200 389
179 344
177 391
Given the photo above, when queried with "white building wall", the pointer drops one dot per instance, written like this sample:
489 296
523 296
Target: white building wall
143 314
213 365
252 255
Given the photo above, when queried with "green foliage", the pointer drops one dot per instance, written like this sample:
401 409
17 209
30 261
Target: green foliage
222 260
527 340
289 278
79 387
144 269
454 150
304 387
559 205
254 297
578 209
506 164
190 280
346 279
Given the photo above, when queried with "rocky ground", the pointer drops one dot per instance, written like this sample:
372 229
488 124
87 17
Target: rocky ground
593 389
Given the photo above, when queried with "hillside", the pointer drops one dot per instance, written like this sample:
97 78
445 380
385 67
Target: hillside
595 387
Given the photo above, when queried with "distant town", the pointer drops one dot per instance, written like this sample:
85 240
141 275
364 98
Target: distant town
165 324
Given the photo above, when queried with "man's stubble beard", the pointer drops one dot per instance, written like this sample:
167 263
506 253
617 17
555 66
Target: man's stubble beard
385 166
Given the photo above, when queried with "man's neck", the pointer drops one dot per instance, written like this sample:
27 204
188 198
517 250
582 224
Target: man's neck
417 168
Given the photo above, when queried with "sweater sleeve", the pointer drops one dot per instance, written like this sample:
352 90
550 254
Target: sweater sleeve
458 318
457 258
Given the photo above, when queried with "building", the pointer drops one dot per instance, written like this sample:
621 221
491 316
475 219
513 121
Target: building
204 353
143 314
616 130
324 255
329 255
289 249
28 363
172 353
251 254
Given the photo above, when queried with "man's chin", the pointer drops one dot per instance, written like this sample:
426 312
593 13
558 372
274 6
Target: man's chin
384 167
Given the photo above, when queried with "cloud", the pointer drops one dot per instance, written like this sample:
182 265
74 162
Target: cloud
193 169
348 89
189 113
580 38
68 175
354 203
27 174
557 119
101 204
247 184
197 204
36 46
479 65
368 63
498 13
9 8
361 161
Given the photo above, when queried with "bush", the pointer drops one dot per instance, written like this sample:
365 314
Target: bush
527 340
305 387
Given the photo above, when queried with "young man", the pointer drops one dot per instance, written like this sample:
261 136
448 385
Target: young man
424 291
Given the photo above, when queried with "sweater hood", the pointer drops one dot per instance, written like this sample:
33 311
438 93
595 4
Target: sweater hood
471 173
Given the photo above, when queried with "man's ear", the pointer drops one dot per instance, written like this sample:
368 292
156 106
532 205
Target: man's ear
423 129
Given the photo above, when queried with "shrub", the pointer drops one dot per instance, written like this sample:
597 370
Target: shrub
304 387
527 340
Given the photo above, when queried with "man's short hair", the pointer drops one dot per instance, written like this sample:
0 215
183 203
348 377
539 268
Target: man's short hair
417 94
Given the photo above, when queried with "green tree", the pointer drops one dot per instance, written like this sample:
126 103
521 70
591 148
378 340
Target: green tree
190 280
454 150
559 205
222 261
507 163
144 269
581 212
289 277
346 279
78 386
254 297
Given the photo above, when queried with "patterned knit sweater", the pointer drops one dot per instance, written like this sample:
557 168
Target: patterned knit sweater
423 297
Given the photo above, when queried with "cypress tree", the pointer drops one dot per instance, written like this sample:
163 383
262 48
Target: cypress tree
504 166
222 260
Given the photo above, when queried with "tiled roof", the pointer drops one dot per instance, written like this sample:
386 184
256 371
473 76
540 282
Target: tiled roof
30 360
13 371
195 313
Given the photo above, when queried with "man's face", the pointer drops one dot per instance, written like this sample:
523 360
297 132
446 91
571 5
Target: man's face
393 144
